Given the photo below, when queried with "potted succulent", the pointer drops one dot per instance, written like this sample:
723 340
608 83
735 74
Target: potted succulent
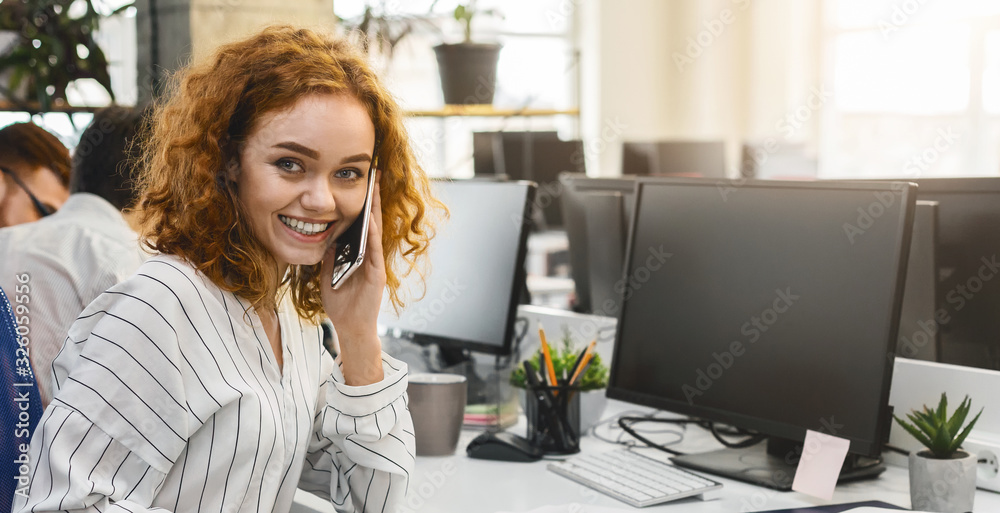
468 70
592 383
942 477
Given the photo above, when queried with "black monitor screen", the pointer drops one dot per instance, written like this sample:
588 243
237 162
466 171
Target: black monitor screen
578 194
773 306
476 269
968 261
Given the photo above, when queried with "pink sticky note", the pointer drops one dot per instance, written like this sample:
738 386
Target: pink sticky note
822 457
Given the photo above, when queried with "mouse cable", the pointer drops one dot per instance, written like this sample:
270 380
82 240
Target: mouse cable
752 440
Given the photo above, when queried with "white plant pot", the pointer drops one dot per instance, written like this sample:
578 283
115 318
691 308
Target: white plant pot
944 486
592 404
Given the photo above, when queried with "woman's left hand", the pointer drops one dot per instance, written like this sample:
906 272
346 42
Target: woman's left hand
354 307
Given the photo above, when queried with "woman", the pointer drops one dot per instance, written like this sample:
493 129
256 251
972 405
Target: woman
200 383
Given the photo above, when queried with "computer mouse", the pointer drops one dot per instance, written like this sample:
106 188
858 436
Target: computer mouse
502 446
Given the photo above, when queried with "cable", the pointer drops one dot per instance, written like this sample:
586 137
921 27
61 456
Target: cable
897 450
520 332
753 439
626 424
616 434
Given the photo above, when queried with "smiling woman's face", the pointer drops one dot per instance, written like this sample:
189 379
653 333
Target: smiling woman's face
302 175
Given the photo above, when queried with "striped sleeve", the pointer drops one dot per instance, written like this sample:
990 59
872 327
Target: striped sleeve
361 455
125 406
78 467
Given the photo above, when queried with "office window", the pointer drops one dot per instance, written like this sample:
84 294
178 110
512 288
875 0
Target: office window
916 89
538 69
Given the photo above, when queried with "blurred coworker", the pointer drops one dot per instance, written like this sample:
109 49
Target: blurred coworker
35 167
72 256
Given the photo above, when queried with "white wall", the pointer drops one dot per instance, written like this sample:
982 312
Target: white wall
697 69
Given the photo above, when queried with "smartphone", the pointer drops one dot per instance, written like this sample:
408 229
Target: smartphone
350 253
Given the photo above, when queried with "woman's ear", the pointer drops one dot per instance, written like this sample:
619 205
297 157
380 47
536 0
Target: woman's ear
232 170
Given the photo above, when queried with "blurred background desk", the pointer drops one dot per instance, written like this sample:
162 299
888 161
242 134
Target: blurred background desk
462 484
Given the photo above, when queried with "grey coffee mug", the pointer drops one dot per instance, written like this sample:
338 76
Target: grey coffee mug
437 406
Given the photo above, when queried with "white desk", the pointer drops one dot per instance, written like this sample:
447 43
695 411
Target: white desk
462 484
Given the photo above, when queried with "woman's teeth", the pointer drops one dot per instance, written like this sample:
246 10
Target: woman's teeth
303 228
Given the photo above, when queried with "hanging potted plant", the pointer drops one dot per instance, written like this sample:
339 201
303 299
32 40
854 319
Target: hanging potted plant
942 477
379 28
468 70
54 46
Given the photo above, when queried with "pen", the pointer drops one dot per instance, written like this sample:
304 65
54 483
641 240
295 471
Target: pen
548 357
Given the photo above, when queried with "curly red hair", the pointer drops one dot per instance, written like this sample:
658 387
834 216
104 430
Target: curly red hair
189 208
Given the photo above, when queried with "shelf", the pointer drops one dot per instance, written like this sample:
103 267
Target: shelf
35 108
489 111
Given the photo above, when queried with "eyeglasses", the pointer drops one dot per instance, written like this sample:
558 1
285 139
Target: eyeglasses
43 209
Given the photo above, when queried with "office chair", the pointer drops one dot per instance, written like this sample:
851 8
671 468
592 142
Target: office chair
20 408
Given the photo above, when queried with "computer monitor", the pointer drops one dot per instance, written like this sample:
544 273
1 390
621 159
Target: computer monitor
576 192
541 159
488 148
917 333
476 270
968 252
774 308
675 158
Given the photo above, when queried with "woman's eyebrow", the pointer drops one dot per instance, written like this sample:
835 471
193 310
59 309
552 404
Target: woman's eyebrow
296 147
360 157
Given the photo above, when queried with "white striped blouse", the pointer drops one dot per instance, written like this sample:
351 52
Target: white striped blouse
170 399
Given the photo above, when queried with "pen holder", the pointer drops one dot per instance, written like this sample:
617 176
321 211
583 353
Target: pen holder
553 414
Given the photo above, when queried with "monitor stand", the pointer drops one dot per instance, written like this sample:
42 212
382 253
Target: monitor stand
772 466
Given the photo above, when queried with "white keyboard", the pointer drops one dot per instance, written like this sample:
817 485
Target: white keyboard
633 478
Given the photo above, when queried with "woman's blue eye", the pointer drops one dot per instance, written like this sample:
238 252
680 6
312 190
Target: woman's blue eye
288 165
349 173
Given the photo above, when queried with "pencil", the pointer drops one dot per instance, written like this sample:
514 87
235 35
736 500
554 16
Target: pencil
578 362
548 357
582 367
